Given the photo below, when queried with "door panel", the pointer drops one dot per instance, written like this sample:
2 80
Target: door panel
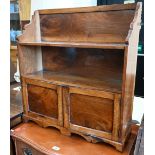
91 112
43 101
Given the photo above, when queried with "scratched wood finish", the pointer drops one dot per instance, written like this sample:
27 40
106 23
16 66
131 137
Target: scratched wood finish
43 101
84 60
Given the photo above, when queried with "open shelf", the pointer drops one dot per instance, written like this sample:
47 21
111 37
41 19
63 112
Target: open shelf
76 44
107 82
100 69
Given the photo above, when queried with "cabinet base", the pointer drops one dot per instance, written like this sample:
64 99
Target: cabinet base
92 139
42 122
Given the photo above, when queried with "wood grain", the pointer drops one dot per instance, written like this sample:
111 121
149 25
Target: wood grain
25 9
129 72
68 79
75 44
86 27
30 135
98 112
43 101
13 55
29 59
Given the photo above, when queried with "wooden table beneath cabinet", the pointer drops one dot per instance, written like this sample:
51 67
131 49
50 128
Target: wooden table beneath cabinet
41 141
16 108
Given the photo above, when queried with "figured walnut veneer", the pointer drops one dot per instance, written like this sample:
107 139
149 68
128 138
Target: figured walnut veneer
78 69
92 112
43 101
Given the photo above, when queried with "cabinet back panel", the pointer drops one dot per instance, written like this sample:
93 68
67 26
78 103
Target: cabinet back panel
99 27
92 112
92 63
43 101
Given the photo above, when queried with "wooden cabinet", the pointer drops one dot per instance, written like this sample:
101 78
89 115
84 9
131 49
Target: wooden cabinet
78 70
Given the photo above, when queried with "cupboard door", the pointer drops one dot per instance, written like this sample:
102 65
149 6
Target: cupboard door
43 101
92 112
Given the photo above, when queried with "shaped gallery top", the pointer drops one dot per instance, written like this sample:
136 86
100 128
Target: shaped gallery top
109 26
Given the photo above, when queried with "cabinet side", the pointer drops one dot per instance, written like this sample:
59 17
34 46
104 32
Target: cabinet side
32 30
129 72
30 57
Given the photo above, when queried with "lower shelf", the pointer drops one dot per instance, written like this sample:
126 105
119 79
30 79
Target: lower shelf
105 82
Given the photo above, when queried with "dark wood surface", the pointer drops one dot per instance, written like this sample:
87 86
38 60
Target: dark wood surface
43 101
98 112
25 149
67 78
75 44
41 141
98 73
16 110
16 106
86 27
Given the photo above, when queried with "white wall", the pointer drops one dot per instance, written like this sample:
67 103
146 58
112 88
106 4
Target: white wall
49 4
138 109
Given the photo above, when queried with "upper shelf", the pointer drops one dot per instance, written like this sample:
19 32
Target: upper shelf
95 27
76 44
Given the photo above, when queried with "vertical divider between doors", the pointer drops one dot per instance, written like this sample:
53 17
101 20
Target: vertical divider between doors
66 105
116 120
25 97
60 105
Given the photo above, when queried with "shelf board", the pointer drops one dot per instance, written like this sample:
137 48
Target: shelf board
77 44
107 83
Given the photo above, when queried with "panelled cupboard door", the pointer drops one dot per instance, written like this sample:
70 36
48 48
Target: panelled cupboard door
43 102
92 112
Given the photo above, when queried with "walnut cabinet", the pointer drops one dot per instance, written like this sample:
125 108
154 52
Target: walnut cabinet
78 69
